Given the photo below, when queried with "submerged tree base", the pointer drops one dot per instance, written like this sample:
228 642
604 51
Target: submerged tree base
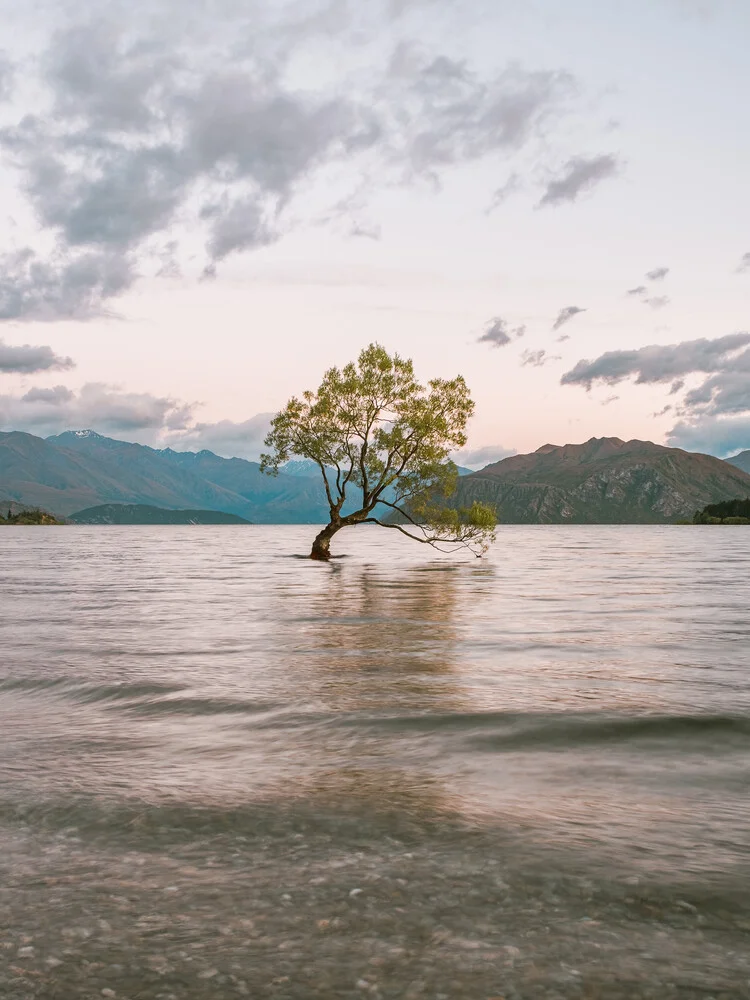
321 547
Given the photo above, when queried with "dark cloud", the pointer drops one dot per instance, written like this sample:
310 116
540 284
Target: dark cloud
28 360
744 264
157 123
609 399
657 301
498 332
537 359
659 363
566 315
726 392
99 73
579 174
639 290
61 286
103 408
658 274
478 458
242 226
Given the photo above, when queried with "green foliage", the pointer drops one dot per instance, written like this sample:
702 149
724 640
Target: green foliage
372 426
34 516
728 512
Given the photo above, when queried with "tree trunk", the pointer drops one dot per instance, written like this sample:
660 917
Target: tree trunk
321 548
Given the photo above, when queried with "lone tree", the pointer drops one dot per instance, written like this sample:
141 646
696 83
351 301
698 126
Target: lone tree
382 440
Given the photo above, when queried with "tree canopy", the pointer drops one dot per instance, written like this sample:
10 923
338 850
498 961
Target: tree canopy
382 440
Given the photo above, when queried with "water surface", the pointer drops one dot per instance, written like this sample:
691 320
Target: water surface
560 729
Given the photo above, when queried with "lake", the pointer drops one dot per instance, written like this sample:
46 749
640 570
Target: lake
229 771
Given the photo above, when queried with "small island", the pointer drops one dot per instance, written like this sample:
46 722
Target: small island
134 513
728 512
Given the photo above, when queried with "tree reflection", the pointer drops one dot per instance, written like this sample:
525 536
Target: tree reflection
379 655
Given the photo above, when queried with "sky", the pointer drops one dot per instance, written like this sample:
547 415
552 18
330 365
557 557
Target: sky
208 203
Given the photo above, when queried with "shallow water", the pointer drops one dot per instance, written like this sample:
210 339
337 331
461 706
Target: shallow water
545 729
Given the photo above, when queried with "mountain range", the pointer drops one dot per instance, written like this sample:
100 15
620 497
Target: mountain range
80 469
742 461
605 480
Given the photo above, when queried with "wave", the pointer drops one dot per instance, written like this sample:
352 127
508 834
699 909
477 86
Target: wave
472 731
137 698
500 731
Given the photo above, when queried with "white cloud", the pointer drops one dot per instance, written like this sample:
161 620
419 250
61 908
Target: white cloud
478 458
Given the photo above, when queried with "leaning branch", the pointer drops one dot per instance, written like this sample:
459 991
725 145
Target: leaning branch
434 540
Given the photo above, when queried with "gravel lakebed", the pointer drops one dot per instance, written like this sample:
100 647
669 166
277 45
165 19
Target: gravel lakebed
302 904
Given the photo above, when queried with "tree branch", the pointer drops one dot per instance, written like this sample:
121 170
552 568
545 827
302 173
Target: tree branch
427 540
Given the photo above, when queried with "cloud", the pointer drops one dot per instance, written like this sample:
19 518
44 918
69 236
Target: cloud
720 436
566 315
609 399
537 358
639 290
63 286
498 332
658 274
579 174
7 75
504 192
478 458
159 421
659 363
58 396
152 128
657 301
363 231
101 407
713 412
439 113
726 392
241 226
243 439
169 266
744 264
27 360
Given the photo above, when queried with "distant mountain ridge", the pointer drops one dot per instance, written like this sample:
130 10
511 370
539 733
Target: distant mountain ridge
73 471
741 461
604 480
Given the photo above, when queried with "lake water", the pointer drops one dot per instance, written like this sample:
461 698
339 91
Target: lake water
227 771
